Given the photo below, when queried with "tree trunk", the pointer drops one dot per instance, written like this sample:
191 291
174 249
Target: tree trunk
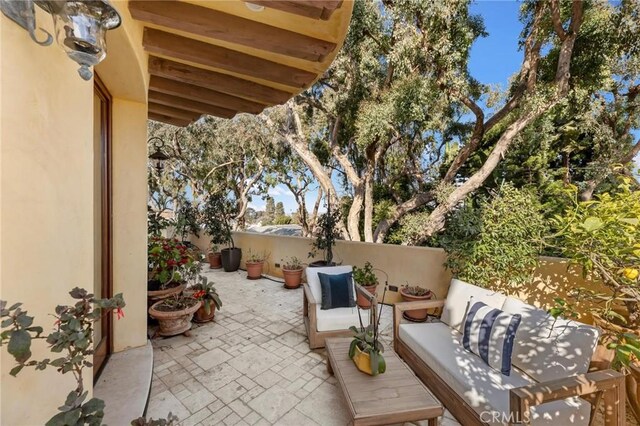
368 205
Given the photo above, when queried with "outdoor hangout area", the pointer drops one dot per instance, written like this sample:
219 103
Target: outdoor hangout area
319 212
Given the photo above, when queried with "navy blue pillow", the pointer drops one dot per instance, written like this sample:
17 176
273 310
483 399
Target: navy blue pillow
337 291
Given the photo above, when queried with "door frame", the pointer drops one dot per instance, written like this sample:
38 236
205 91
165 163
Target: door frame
105 347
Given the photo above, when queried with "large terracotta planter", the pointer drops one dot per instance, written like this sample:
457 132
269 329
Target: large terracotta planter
174 322
254 270
215 260
201 316
362 301
292 277
156 295
417 315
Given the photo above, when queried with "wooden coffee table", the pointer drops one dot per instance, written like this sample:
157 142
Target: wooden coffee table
393 397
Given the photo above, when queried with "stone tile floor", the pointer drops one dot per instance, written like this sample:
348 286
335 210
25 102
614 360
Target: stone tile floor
252 365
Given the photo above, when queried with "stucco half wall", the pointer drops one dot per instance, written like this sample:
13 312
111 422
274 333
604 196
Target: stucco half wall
47 195
423 266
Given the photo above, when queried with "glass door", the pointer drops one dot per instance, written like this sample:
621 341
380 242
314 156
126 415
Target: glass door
102 219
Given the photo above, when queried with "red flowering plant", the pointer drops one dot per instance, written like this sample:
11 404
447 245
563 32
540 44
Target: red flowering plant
206 292
170 261
71 341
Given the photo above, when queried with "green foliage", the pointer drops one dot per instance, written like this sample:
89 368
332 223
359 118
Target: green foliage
602 236
217 214
72 340
205 291
291 263
283 220
170 261
257 256
416 290
171 420
365 276
496 243
186 221
366 339
156 223
326 238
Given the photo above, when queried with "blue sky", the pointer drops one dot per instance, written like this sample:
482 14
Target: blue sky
494 59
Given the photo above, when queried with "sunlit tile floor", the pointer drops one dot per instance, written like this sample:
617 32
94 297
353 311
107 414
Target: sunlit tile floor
252 365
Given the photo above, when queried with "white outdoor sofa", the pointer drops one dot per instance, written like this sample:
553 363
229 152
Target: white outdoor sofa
324 324
553 380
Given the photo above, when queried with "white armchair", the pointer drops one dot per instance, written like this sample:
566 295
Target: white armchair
323 324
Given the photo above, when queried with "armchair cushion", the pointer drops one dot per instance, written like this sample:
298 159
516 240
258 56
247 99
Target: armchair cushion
339 318
458 298
546 348
337 290
314 281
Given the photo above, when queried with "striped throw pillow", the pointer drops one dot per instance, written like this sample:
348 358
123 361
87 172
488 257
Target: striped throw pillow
489 333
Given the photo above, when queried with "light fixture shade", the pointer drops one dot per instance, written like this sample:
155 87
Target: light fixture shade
81 28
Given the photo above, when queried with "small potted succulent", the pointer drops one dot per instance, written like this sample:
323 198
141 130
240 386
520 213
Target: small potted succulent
292 270
255 263
174 314
205 292
170 265
365 278
413 294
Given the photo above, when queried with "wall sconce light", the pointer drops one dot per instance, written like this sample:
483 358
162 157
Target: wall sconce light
157 157
80 26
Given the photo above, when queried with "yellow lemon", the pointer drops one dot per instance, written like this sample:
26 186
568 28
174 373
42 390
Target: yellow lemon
630 273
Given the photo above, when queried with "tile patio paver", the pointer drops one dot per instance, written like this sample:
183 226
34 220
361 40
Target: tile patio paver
252 365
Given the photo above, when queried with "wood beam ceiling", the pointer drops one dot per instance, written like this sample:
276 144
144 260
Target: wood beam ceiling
200 94
199 52
218 25
216 81
316 9
189 105
168 119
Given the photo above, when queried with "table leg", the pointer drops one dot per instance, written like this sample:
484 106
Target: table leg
329 368
433 422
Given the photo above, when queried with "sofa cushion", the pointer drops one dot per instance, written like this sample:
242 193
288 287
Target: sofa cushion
314 281
547 350
337 290
483 388
489 333
339 318
457 301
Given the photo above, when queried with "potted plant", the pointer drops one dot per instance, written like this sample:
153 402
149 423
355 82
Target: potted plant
412 294
174 314
366 349
254 264
365 278
292 271
217 215
326 238
170 265
215 257
205 292
602 237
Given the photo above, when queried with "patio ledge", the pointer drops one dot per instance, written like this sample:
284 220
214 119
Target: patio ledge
124 385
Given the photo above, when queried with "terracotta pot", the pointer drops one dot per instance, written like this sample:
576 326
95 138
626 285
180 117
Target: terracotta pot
173 322
215 260
155 295
201 314
254 270
361 300
292 277
418 315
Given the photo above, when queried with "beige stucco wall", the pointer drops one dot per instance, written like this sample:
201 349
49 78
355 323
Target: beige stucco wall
46 195
421 266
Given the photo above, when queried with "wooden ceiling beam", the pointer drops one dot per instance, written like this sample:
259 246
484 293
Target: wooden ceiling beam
199 52
172 111
309 8
216 81
200 94
218 25
180 122
189 105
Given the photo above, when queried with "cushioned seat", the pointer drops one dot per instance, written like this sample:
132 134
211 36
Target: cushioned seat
483 388
339 318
